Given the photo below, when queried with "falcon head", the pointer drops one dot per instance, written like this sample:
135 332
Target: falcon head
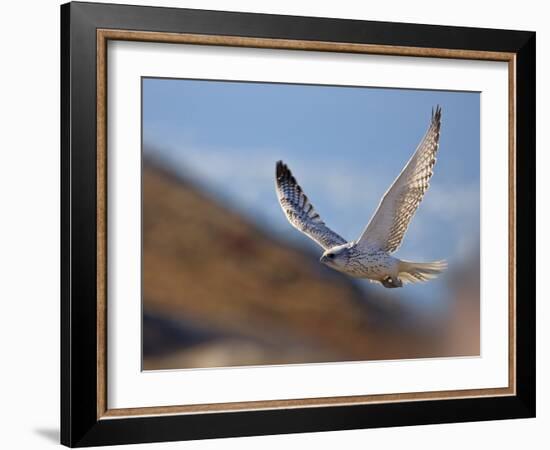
336 257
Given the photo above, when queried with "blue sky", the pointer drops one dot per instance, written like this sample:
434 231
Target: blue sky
345 145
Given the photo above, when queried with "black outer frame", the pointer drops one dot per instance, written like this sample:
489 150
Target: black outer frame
79 423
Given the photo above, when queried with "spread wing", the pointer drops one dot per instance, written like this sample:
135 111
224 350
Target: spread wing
300 212
389 223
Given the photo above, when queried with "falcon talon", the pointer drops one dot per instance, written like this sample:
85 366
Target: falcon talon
390 282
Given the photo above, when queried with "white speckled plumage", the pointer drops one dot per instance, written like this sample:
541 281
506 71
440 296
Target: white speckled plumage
370 255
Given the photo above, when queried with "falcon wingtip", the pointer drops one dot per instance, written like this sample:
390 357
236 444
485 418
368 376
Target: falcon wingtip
436 114
280 169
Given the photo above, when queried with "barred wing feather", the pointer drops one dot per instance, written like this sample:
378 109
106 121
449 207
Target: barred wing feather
300 212
389 223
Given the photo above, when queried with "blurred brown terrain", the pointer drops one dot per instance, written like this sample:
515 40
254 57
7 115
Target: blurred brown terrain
219 291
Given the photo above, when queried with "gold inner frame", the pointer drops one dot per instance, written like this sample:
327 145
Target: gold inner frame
104 35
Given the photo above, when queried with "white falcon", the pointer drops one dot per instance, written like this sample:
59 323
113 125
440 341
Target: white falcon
370 256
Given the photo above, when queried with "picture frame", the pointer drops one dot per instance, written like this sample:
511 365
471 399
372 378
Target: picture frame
86 418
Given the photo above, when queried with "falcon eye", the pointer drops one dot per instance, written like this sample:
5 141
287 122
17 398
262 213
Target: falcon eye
330 255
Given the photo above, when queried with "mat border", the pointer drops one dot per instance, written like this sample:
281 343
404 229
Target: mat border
105 35
95 25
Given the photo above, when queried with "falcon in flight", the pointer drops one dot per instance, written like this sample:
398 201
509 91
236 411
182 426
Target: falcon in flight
370 256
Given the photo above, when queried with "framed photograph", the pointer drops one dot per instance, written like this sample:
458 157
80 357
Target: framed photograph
278 224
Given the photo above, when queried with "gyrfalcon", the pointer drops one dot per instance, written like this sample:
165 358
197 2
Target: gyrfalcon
370 255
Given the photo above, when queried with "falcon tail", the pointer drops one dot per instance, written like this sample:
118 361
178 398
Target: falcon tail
414 272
